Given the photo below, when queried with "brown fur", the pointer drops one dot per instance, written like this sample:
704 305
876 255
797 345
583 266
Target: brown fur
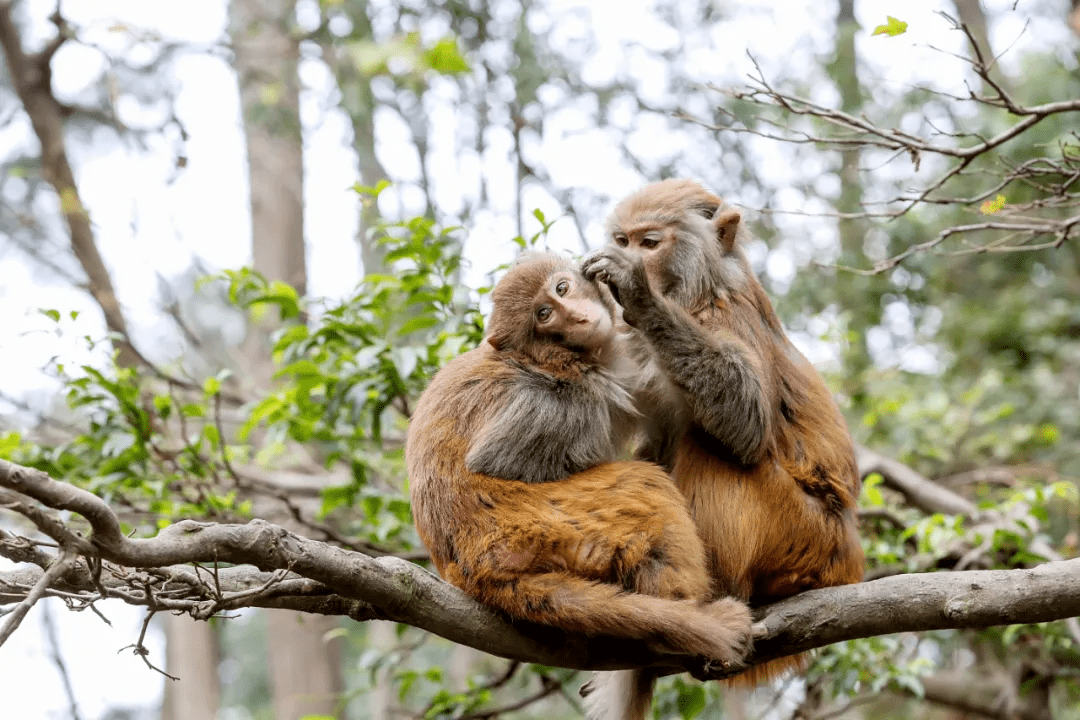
607 549
753 437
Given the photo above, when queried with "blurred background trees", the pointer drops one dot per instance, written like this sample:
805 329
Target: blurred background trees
123 138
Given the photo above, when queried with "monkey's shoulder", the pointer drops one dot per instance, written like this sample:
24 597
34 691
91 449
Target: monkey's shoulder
587 383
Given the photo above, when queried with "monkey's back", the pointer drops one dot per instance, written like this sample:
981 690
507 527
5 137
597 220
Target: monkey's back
441 431
788 523
602 524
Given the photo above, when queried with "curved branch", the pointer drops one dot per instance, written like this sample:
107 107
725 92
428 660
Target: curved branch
326 579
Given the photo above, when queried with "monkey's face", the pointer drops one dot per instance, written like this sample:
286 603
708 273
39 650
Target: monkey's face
570 311
656 244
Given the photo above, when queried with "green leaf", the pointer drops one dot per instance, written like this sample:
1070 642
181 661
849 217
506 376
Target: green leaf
992 206
212 386
406 679
418 323
163 405
446 58
8 443
873 497
335 497
53 315
691 701
892 27
372 505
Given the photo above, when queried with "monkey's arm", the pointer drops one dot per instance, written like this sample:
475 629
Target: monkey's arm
719 375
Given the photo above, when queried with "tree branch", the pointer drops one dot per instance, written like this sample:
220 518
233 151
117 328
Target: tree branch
322 578
1014 227
920 491
32 78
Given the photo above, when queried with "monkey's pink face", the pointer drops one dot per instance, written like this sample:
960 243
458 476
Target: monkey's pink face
569 311
654 243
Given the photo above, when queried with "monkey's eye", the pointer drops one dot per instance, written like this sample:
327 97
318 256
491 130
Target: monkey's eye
649 242
543 314
562 288
621 240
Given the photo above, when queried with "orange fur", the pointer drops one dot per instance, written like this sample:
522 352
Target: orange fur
784 521
562 536
574 553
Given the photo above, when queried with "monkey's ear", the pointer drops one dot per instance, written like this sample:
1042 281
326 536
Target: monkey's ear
502 336
726 223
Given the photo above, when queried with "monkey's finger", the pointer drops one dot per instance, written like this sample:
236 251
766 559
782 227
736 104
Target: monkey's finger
590 265
758 630
613 288
599 267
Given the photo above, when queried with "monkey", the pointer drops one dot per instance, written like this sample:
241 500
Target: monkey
746 426
518 496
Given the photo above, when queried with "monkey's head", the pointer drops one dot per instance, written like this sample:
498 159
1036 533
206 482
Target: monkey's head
546 311
686 238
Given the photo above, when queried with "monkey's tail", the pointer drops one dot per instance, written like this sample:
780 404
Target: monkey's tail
618 695
718 630
770 671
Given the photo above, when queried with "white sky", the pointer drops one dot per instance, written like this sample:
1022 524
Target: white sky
147 225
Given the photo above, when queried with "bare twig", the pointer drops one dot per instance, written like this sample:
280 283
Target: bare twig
50 576
1052 176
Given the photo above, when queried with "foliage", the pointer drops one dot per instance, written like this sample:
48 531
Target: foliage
345 381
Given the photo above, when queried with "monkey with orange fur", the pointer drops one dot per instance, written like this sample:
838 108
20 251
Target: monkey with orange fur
746 425
516 497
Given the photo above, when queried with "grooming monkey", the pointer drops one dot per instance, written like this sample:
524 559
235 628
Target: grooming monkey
747 427
515 493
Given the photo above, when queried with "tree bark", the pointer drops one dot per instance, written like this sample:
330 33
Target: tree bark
266 55
392 589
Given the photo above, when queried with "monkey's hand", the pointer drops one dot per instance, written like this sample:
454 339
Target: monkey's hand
625 275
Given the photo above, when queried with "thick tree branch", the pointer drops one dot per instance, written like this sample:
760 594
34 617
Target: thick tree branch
928 601
327 579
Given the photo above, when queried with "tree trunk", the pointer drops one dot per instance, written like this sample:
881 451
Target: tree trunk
305 670
382 638
266 55
362 115
31 76
305 665
844 72
191 654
